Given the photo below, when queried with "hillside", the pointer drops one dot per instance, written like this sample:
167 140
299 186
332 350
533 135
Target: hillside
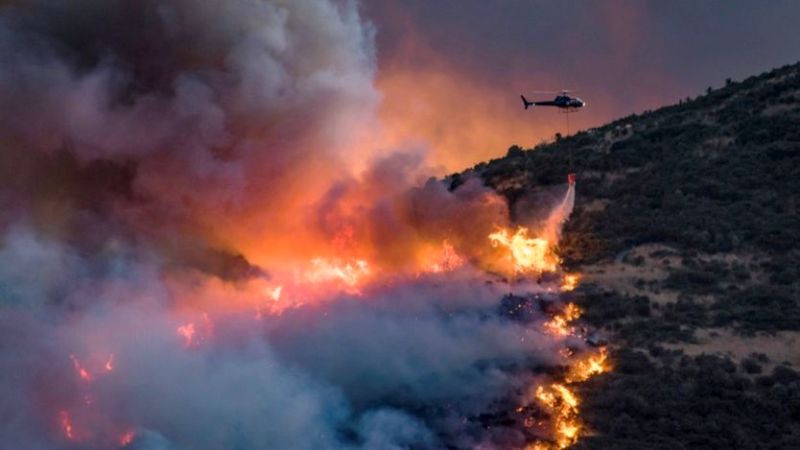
687 231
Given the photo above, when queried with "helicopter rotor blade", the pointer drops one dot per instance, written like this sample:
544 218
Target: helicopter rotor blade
562 91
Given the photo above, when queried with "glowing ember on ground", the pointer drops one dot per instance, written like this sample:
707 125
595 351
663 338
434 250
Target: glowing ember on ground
109 366
528 254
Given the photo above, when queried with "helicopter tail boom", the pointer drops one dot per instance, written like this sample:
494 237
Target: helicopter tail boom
526 103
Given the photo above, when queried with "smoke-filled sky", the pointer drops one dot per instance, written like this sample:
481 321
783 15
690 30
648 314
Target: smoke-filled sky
451 70
208 240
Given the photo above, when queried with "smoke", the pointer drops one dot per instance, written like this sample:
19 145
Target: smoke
208 118
559 215
410 366
200 248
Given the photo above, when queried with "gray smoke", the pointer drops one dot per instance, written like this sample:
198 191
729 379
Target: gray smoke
153 155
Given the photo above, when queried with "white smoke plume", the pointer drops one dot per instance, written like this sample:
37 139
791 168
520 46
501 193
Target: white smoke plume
163 163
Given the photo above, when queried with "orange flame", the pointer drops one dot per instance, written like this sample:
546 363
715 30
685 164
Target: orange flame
562 404
586 368
559 325
528 254
557 398
445 260
349 273
570 282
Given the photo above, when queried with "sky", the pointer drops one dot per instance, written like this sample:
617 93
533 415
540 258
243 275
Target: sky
451 71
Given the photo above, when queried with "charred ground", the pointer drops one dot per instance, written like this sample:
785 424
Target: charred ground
687 229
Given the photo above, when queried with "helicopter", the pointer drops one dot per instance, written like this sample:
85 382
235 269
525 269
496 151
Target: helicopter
566 104
562 101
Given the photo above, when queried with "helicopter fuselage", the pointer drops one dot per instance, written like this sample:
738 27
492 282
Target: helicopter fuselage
563 101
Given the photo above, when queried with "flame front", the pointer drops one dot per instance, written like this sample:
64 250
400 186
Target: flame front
562 404
569 282
560 323
524 252
591 365
558 398
529 254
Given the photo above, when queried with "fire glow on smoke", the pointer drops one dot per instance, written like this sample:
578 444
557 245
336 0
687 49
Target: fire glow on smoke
203 245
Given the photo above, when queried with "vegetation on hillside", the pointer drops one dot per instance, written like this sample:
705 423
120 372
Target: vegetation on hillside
716 180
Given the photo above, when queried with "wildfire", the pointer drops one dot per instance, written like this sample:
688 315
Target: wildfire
349 273
562 404
570 282
209 198
586 368
520 250
557 398
528 254
446 260
560 323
